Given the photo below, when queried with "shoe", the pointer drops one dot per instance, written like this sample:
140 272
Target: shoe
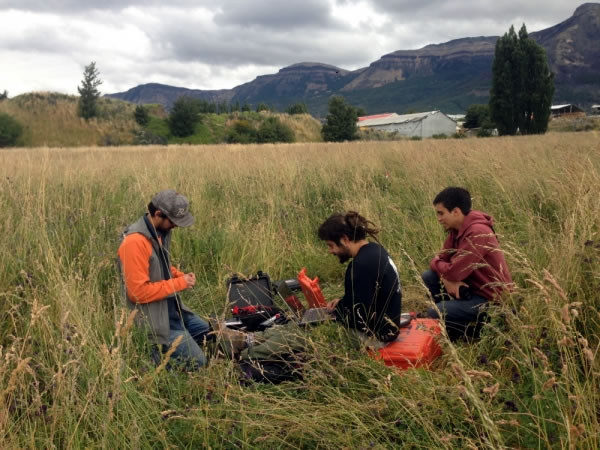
232 341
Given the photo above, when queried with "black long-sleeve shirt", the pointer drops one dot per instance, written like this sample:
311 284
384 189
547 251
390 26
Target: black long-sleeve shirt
372 300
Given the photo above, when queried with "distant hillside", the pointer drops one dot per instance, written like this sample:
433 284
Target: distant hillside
50 119
448 76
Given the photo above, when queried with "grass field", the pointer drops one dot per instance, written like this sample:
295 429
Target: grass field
74 374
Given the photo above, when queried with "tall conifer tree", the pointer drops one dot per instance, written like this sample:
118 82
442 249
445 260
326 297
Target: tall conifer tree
522 85
88 91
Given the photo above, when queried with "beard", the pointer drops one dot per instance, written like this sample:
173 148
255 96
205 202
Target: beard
344 255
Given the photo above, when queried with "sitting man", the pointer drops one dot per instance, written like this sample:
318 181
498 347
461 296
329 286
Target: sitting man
470 270
372 299
152 283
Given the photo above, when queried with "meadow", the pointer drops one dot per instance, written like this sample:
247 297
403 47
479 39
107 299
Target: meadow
74 373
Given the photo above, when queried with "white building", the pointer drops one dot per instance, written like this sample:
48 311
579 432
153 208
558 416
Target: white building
423 125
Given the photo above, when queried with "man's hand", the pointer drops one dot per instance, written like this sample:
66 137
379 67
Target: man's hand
190 280
452 287
332 304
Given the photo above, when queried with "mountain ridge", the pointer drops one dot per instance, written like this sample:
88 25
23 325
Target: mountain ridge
449 75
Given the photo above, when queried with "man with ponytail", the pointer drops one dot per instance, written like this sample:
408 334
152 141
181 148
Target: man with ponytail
372 299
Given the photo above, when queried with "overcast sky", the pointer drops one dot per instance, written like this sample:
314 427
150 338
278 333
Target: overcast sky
201 44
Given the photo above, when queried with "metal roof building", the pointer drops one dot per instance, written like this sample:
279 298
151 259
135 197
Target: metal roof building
423 125
557 110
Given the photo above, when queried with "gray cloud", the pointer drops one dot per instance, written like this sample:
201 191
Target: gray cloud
78 6
504 12
275 14
206 44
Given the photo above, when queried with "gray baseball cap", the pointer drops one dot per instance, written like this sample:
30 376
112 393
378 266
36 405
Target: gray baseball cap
175 206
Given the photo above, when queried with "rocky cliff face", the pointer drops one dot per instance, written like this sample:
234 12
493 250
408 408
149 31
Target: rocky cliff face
296 81
429 60
573 46
447 76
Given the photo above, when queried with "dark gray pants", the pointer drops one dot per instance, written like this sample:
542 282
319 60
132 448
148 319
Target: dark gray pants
463 317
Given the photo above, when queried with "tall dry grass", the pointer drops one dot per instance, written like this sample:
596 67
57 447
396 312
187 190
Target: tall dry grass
75 373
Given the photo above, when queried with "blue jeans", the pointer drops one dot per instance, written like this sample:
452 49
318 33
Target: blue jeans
458 314
194 332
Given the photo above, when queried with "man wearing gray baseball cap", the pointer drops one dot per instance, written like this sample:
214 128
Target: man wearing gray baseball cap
152 284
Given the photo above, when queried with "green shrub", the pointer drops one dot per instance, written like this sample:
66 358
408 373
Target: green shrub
273 130
10 130
297 108
241 133
147 137
484 132
141 115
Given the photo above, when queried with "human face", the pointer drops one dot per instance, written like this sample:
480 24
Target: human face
165 224
341 251
450 220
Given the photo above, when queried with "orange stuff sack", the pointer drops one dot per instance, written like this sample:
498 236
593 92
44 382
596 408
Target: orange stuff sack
415 346
311 290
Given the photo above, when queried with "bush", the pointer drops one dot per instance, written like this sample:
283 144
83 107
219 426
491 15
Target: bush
10 130
484 132
439 136
262 107
241 132
110 140
183 117
297 108
476 116
273 130
147 137
141 115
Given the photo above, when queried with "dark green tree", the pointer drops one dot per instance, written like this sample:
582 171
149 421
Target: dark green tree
273 130
88 91
141 115
246 107
522 85
477 116
10 130
340 124
297 108
262 107
223 107
183 117
4 95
